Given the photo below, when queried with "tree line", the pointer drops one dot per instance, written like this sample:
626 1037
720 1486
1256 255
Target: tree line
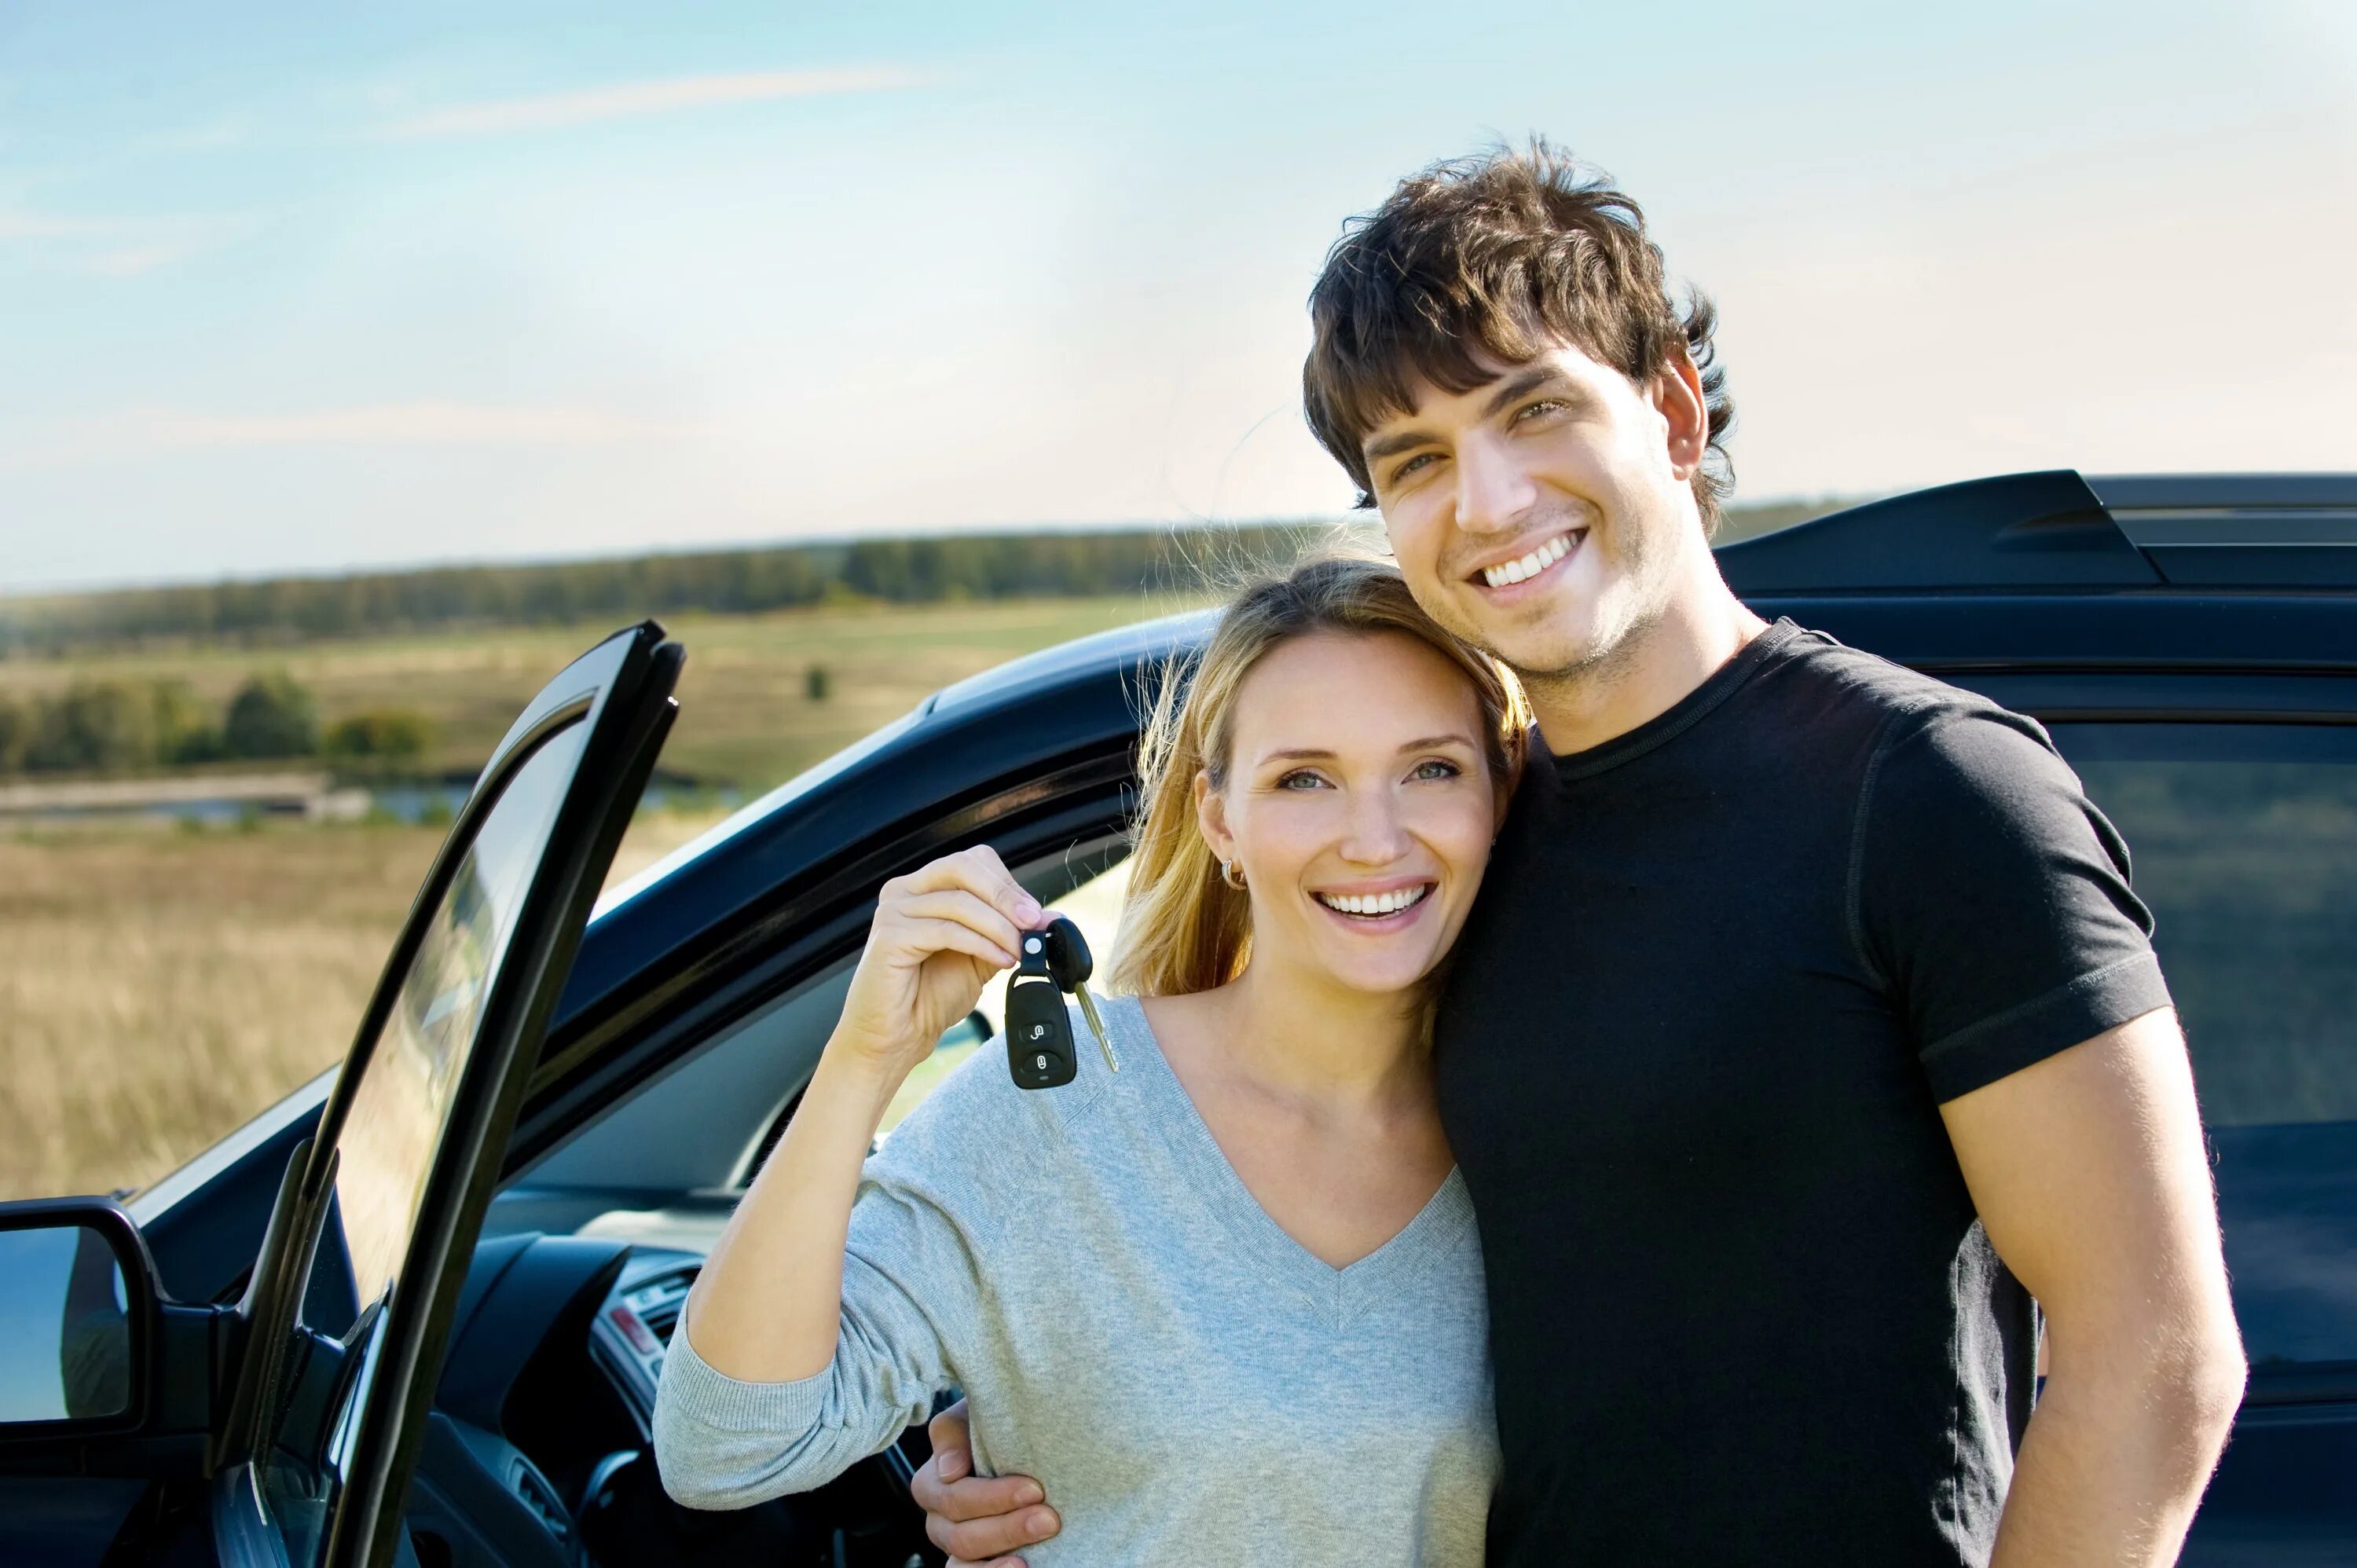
286 610
982 567
116 725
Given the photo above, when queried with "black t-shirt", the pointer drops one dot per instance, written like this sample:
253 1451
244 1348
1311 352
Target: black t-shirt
1722 972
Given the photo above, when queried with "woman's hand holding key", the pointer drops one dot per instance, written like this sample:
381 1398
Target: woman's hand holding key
940 933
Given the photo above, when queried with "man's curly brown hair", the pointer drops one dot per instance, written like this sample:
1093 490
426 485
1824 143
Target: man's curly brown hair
1494 258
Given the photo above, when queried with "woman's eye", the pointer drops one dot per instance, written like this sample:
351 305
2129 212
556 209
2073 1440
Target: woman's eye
1437 767
1301 781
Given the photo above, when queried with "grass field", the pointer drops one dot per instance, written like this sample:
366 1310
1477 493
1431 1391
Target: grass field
745 721
159 986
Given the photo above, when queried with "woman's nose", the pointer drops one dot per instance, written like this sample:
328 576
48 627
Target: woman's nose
1375 834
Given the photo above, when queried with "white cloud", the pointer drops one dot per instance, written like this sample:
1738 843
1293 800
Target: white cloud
630 100
432 424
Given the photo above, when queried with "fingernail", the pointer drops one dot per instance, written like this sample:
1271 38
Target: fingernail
1029 1493
1028 908
1040 1525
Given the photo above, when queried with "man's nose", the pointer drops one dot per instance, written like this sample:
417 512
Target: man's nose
1493 493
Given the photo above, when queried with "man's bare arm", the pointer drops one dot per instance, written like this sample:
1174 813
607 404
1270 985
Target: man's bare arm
2089 1172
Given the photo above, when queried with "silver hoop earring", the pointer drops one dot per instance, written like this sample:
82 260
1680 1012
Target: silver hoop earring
1230 876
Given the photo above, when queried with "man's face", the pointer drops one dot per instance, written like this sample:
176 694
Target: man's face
1544 515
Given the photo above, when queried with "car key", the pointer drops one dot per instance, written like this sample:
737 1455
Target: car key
1040 1051
1070 965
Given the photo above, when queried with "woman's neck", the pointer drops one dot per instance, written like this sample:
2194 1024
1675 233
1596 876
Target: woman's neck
1333 1047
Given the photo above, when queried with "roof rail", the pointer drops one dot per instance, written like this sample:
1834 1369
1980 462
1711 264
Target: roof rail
2019 531
2056 530
2240 530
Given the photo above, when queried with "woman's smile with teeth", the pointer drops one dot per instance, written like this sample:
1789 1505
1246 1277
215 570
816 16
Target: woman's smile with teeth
1373 905
1530 566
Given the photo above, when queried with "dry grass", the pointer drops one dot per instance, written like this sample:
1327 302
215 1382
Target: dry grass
158 987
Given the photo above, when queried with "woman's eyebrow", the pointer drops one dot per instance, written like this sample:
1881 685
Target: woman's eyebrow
1317 754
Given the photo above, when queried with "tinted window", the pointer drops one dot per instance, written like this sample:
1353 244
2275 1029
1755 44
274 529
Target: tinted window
2244 843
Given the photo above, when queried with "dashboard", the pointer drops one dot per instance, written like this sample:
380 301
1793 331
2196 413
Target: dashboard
539 1450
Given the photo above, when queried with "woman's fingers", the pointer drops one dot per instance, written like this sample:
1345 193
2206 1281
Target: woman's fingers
966 909
980 872
937 936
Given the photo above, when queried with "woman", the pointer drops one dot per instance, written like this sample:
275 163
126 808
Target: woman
1227 1301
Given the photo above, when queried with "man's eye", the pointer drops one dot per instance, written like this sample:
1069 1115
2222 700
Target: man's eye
1413 464
1543 405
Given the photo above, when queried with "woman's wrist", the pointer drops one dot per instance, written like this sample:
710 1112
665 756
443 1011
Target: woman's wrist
861 1074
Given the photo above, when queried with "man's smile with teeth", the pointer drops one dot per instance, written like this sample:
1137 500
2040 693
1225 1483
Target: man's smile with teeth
1512 572
1372 904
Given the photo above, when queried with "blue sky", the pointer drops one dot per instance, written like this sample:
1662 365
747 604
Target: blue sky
302 287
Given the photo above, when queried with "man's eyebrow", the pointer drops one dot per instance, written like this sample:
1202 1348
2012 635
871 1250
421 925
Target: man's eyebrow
1517 387
1392 446
1530 379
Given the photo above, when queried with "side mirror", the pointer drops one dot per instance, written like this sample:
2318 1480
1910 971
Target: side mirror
67 1319
98 1372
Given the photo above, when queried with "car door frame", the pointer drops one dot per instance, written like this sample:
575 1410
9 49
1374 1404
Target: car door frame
628 713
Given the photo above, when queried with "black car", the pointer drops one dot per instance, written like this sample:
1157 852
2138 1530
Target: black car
414 1312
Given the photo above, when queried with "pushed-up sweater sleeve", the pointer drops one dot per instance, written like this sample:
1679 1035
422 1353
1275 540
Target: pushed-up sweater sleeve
911 1289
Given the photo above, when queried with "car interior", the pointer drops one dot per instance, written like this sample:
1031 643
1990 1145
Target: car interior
539 1446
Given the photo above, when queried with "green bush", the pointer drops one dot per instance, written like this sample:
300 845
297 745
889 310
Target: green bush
95 725
16 721
383 735
271 716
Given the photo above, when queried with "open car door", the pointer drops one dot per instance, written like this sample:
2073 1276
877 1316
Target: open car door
350 1305
289 1423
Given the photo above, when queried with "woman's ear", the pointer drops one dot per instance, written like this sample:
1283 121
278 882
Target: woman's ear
1211 819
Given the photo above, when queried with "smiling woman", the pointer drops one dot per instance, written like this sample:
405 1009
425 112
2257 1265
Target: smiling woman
1255 1215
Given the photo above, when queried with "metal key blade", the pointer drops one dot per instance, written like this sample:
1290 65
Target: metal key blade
1096 1026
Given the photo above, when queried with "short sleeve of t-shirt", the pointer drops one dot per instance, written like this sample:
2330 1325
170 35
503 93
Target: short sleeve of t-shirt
1993 899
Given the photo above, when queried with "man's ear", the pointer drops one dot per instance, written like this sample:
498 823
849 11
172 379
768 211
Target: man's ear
1211 818
1677 393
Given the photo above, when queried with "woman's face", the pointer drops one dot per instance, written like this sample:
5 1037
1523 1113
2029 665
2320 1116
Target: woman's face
1359 807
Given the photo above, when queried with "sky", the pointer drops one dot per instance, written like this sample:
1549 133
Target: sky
302 288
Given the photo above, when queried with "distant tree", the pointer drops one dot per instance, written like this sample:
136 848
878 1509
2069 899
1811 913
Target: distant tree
271 716
817 684
95 726
390 737
184 731
16 721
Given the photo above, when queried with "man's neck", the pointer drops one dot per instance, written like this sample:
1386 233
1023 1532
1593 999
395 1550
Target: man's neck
1658 667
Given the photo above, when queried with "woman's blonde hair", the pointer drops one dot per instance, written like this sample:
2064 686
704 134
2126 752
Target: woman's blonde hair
1183 928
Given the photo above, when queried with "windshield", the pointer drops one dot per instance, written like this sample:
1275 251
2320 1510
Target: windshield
400 1109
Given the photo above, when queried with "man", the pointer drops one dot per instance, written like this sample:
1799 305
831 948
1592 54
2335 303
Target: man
1806 1029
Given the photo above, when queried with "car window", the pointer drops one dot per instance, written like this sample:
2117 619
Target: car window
2243 840
1094 906
386 1148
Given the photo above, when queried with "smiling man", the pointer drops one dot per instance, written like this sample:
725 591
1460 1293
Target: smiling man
1806 1040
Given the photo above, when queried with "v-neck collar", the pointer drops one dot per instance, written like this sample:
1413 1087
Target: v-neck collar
1336 1294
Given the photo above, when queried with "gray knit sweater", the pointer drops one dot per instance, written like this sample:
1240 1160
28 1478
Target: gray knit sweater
1187 1382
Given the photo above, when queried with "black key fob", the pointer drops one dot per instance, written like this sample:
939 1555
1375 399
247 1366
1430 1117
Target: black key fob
1038 1035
